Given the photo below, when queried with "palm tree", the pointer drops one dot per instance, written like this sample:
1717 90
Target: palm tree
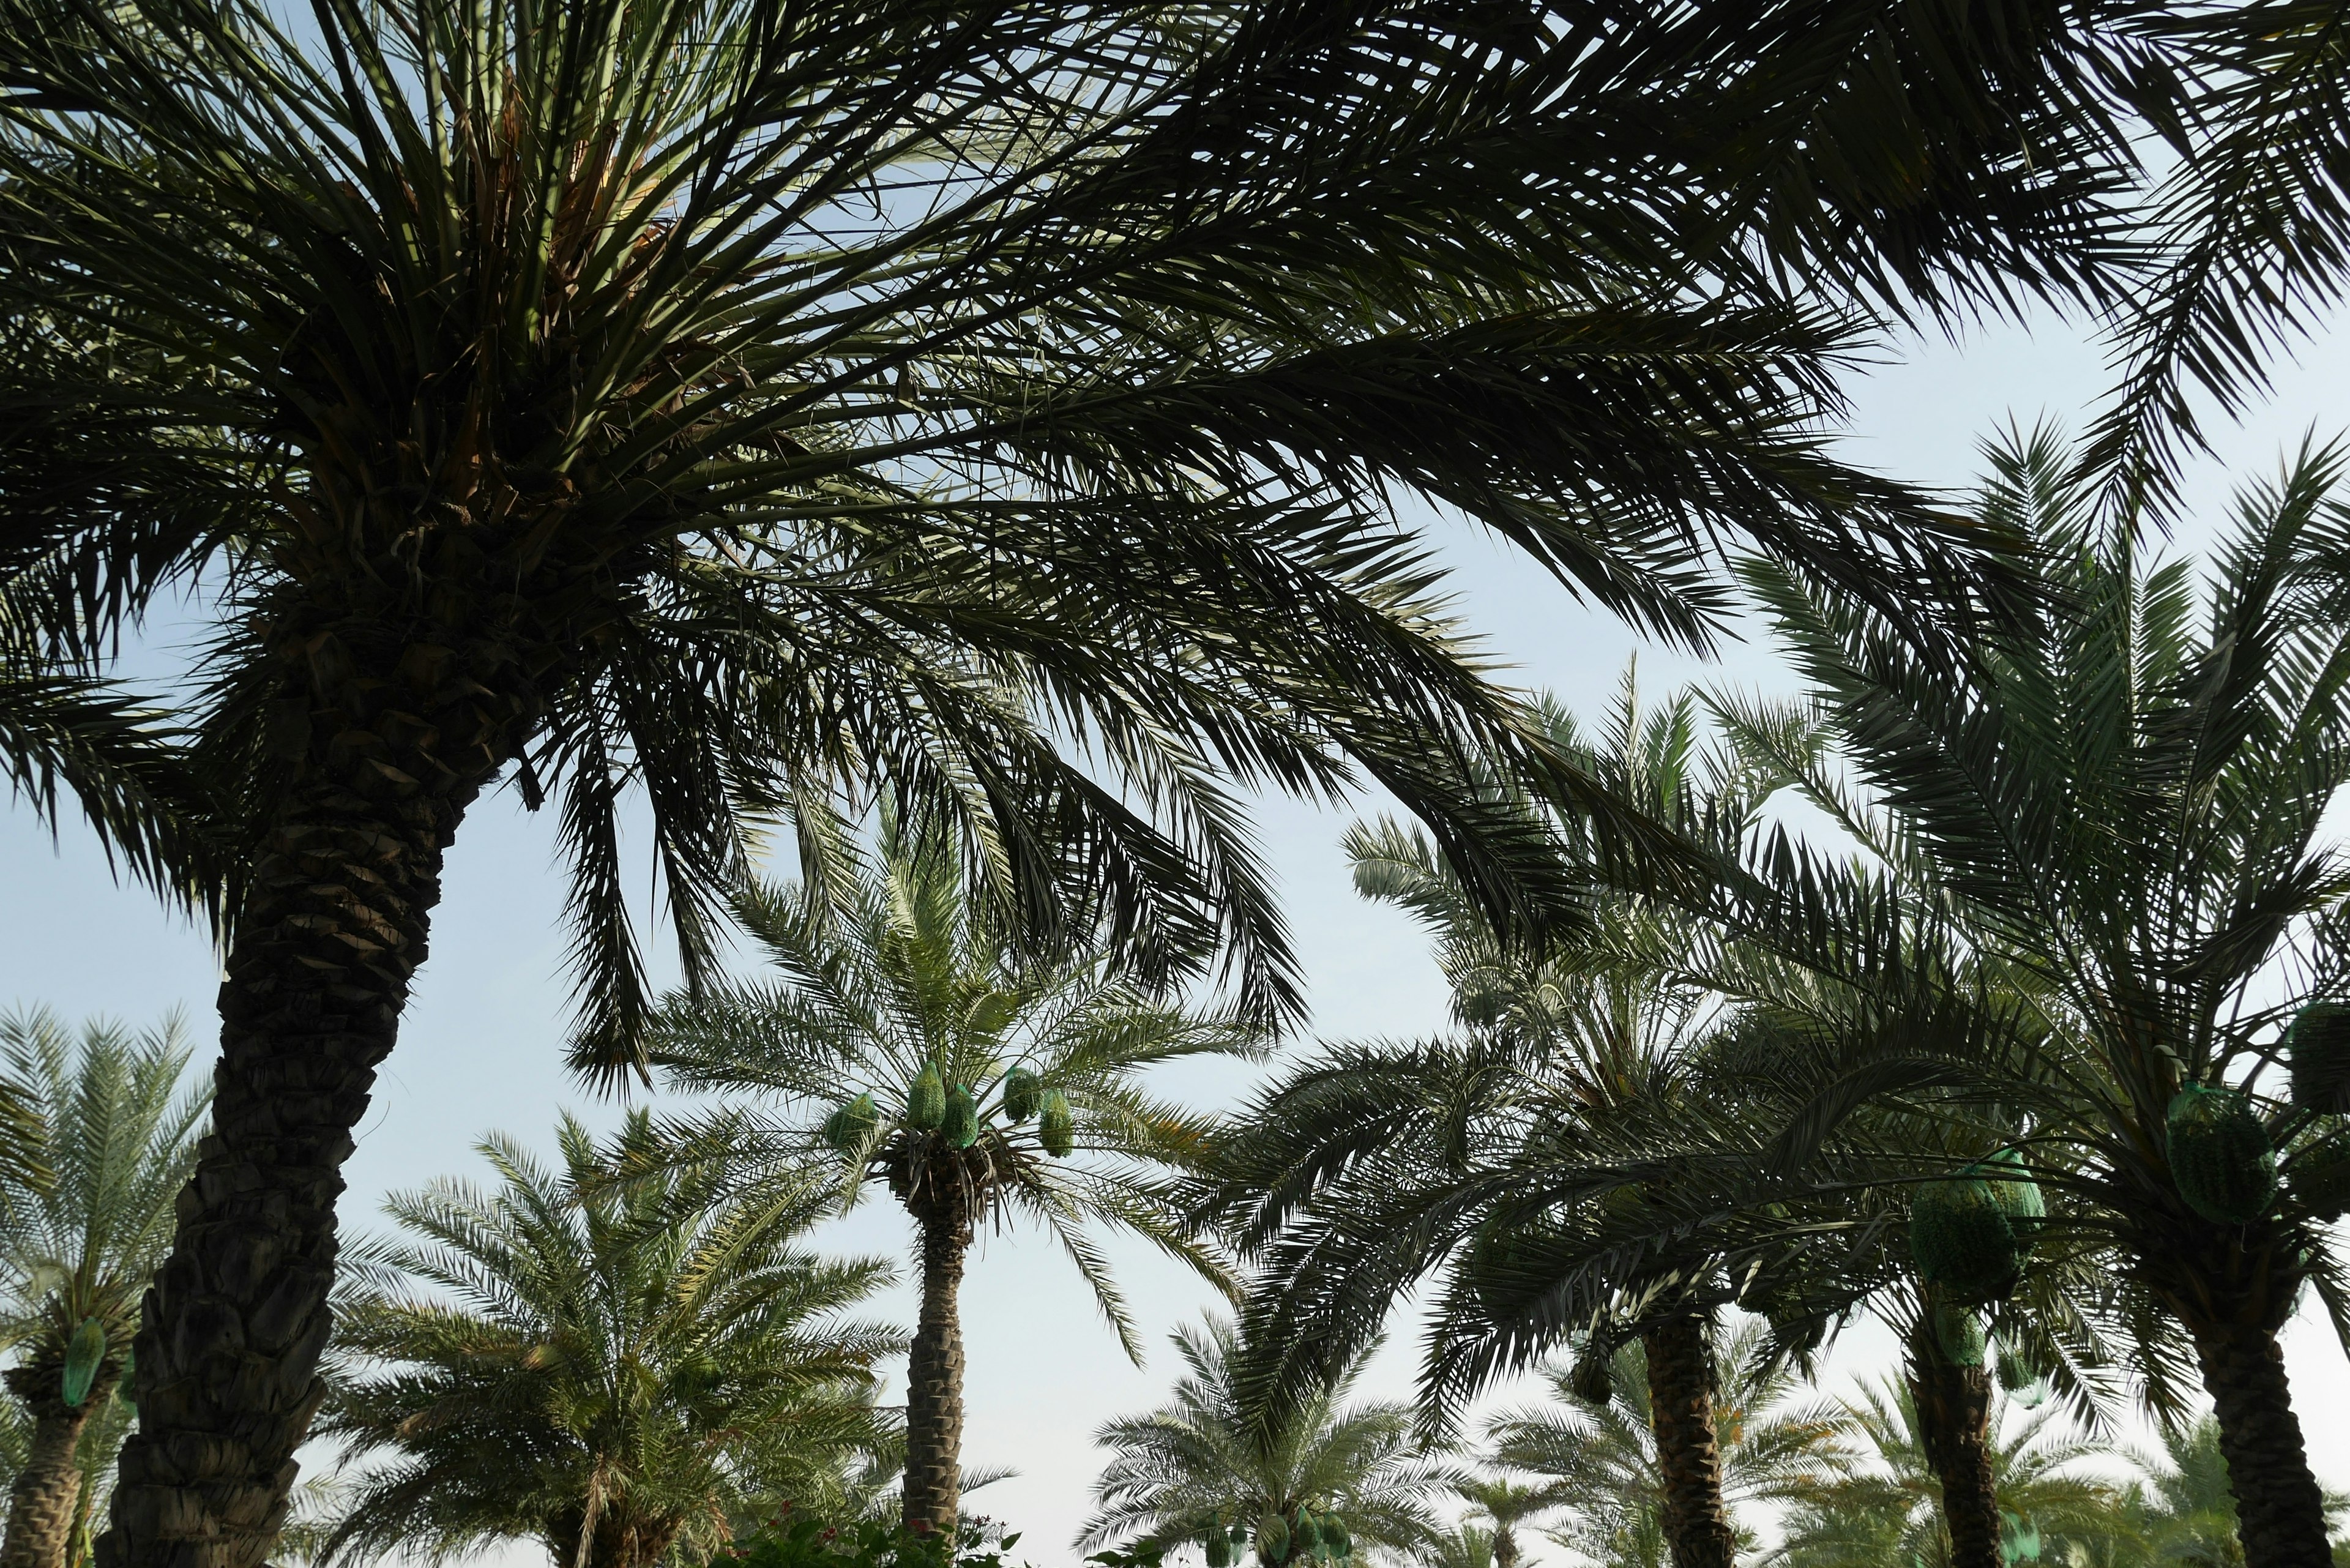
1504 1504
2122 813
608 1367
119 1134
903 1043
1489 1159
995 409
1607 1456
1887 1509
1467 1546
1206 1466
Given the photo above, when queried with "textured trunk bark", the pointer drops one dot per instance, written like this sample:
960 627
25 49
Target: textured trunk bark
332 929
45 1498
1505 1547
1954 1423
933 1485
2280 1509
1688 1460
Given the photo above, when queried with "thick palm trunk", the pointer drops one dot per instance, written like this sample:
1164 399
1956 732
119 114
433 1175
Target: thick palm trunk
2280 1509
1505 1547
1688 1460
332 929
1954 1423
45 1498
934 1368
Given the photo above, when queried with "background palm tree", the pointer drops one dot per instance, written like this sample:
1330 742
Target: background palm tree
1466 1546
904 1043
748 405
1206 1463
2121 811
1504 1504
118 1132
1602 1456
612 1367
1884 1505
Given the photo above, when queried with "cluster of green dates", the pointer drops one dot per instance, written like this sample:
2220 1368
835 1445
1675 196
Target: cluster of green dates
2220 1156
935 1104
1969 1233
85 1352
1301 1535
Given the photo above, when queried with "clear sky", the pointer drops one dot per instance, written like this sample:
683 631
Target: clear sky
481 1045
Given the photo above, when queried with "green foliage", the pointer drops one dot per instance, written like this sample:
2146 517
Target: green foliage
118 1129
1349 1476
807 1542
620 1349
2220 1155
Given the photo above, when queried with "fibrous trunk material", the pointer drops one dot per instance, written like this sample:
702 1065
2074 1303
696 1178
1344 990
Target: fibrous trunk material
933 1488
1954 1422
45 1498
1680 1401
2280 1509
331 930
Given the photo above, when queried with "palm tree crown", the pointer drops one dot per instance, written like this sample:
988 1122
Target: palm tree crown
611 1363
1205 1464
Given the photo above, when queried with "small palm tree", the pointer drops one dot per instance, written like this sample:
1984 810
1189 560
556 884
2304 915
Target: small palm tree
1888 1509
1504 1504
1207 1469
903 1045
609 1367
1603 1458
119 1133
1465 1546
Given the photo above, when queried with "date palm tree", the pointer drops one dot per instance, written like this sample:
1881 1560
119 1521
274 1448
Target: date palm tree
604 1361
118 1129
2122 811
1205 1464
903 1043
1479 1159
996 411
1503 1503
1887 1509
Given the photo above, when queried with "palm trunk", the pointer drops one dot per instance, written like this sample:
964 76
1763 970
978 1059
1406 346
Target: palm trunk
2279 1510
1505 1547
1954 1423
1688 1460
934 1487
45 1498
332 929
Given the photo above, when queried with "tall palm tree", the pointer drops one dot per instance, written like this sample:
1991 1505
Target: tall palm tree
2122 811
1605 1456
1486 1159
1504 1504
118 1130
903 1043
994 410
1887 1509
1207 1464
604 1361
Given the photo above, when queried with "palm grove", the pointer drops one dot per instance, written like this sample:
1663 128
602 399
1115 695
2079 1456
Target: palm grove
988 423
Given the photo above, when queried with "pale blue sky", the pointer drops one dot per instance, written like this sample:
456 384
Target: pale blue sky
481 1047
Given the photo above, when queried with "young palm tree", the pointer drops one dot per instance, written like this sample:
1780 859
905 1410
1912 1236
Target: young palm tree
1888 1507
606 1366
904 1043
1467 1546
1504 1504
996 409
1606 1457
2122 812
1207 1465
118 1132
